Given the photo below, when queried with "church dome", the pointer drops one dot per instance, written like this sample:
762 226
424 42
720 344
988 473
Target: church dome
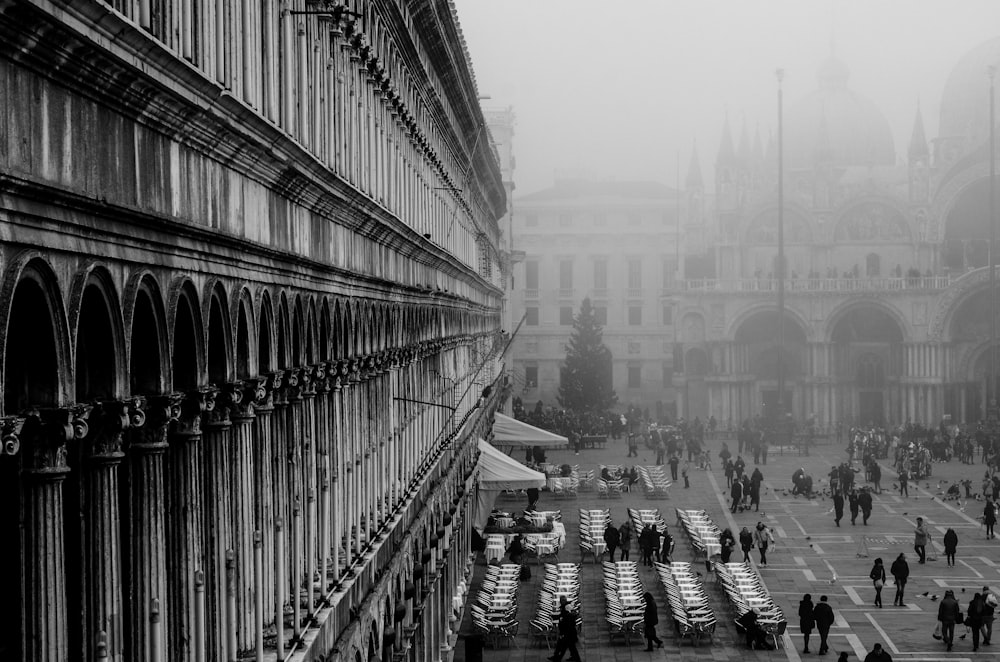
965 100
837 126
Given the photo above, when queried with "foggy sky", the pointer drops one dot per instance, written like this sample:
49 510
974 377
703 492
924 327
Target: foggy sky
618 87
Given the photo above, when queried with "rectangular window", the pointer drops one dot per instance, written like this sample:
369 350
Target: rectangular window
635 315
634 376
531 376
669 272
668 375
531 220
566 316
600 273
531 316
668 315
600 220
566 274
565 220
634 273
531 274
601 315
635 347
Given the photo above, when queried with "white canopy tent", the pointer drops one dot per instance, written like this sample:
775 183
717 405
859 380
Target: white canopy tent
508 431
498 472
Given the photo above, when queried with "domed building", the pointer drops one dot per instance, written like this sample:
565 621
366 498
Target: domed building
886 316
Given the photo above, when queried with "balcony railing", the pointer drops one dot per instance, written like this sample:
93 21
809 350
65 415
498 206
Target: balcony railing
758 285
566 292
531 293
634 293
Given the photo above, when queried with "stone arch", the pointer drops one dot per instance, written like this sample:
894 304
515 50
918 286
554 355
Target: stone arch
298 333
99 337
324 330
36 352
955 184
791 314
244 323
283 347
872 219
693 327
148 353
953 299
337 335
266 341
761 225
840 312
219 357
312 332
187 344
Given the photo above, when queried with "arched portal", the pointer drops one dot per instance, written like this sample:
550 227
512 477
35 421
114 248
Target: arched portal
867 345
147 341
967 229
96 354
971 330
757 340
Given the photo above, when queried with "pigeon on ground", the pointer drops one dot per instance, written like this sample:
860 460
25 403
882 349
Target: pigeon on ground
933 598
925 594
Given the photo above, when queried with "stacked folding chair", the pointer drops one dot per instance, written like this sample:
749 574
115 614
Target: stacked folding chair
693 616
623 600
494 612
702 533
592 525
654 481
744 591
560 580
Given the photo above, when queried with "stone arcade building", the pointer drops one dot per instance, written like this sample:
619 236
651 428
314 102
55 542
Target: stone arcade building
250 303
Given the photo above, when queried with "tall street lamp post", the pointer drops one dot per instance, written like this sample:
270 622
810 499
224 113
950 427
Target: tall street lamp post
991 376
780 267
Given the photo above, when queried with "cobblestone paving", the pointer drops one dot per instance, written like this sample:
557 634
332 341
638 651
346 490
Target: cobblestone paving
812 555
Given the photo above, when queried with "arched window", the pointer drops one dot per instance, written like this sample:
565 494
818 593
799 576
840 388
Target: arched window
871 372
873 265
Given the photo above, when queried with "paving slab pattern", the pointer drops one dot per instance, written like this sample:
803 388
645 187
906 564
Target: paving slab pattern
811 555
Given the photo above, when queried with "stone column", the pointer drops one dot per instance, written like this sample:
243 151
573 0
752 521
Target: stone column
184 521
308 483
147 542
243 516
44 467
293 495
102 569
263 485
217 531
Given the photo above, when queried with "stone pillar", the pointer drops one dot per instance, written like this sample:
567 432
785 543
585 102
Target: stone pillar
102 569
243 514
217 532
184 521
309 487
263 485
297 381
147 542
44 467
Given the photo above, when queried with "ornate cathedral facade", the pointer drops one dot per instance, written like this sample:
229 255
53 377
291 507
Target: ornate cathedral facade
888 306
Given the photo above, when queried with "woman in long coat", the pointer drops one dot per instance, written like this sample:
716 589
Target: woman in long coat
877 576
989 518
950 546
806 620
649 621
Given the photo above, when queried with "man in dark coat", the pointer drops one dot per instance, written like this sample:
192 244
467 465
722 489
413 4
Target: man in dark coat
736 492
900 573
567 633
853 505
823 616
649 621
878 655
865 503
611 538
948 615
838 507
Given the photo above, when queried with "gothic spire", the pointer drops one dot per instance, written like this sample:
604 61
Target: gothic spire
918 139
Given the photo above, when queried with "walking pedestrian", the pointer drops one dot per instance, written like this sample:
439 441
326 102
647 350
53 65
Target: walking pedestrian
611 539
625 539
948 615
728 468
989 609
838 507
854 505
904 489
756 479
865 503
736 492
876 476
823 615
649 621
633 443
673 462
989 518
567 633
763 538
647 544
746 544
684 474
878 655
974 619
877 576
900 571
666 545
727 543
806 620
920 537
950 546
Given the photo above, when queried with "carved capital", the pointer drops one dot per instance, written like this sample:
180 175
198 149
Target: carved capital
278 386
321 378
253 395
108 422
293 388
221 403
149 421
10 434
193 406
45 433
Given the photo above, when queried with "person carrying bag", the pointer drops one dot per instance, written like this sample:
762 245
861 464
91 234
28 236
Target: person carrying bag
877 576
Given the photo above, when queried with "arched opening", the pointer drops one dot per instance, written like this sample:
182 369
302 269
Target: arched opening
145 346
184 363
324 333
768 360
867 342
218 345
283 352
264 364
96 355
970 329
243 369
967 229
296 337
31 378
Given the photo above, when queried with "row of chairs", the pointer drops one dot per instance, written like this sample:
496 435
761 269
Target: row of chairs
744 591
655 483
693 616
560 580
640 517
494 611
624 600
702 533
564 487
610 488
592 525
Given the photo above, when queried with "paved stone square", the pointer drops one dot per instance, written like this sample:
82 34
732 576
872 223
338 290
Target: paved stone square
812 555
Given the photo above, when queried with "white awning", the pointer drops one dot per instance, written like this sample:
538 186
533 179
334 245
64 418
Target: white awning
498 471
508 431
